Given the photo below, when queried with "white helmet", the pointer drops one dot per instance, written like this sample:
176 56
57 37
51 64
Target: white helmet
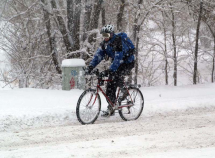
107 29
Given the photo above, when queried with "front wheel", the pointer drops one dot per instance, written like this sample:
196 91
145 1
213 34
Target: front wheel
133 112
88 107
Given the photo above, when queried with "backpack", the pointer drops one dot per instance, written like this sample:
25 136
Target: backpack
126 39
128 42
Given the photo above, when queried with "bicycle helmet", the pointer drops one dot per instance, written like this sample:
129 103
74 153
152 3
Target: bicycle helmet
107 29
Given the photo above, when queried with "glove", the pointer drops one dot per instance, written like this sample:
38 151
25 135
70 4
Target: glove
105 73
88 70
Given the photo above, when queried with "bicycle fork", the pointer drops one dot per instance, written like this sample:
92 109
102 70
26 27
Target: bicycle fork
91 98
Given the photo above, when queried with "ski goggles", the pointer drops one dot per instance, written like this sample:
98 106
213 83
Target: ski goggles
106 35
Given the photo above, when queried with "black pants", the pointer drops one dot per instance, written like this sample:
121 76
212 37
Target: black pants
117 80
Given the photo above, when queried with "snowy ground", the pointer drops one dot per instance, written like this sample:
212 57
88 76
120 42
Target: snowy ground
176 122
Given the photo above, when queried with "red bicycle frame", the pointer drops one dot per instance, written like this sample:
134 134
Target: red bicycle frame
112 104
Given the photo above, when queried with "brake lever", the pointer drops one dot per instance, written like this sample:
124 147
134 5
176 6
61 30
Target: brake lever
95 71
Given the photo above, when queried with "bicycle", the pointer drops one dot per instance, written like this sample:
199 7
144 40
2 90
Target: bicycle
89 103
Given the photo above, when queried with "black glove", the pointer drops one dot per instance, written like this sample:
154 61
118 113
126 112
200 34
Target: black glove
88 70
105 73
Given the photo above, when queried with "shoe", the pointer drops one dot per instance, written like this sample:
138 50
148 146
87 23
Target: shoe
108 112
124 95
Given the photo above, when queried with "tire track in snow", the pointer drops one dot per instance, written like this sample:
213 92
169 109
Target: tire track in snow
191 129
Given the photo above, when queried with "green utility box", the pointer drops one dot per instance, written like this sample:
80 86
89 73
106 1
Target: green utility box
73 74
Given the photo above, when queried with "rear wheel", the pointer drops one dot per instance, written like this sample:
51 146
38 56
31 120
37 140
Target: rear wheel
136 100
88 107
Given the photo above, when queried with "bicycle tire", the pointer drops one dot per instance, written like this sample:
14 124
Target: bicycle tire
92 100
124 112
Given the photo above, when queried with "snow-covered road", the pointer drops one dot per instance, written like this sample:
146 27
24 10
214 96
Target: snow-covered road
176 122
187 134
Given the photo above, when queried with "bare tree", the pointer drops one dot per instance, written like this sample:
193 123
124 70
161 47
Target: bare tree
62 27
197 44
120 15
103 15
165 49
209 19
51 37
73 16
87 14
94 21
139 20
26 46
174 45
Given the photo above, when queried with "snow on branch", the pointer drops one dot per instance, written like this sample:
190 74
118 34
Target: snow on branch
25 12
141 20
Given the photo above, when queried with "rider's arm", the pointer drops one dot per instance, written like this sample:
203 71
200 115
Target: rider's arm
98 57
118 59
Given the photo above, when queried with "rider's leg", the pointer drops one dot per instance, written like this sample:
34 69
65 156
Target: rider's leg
124 69
111 94
117 81
111 89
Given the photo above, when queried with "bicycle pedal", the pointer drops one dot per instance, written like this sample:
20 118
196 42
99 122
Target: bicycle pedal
107 114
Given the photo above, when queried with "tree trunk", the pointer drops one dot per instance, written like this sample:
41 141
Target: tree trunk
136 29
23 82
137 59
174 46
213 67
136 40
213 64
165 50
95 15
197 45
95 18
70 22
51 39
120 16
73 16
62 27
103 16
87 15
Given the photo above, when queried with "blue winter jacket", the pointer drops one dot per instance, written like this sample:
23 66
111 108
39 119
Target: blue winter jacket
115 48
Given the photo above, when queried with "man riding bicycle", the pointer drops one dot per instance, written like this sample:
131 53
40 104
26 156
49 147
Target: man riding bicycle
120 48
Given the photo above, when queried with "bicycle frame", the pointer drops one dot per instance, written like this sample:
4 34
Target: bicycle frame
112 104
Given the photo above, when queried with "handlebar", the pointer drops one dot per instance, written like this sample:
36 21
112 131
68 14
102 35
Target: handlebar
94 72
98 76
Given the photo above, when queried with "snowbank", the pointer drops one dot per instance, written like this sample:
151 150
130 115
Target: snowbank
32 108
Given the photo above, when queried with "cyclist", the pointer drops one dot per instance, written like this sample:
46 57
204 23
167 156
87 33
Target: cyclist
120 48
